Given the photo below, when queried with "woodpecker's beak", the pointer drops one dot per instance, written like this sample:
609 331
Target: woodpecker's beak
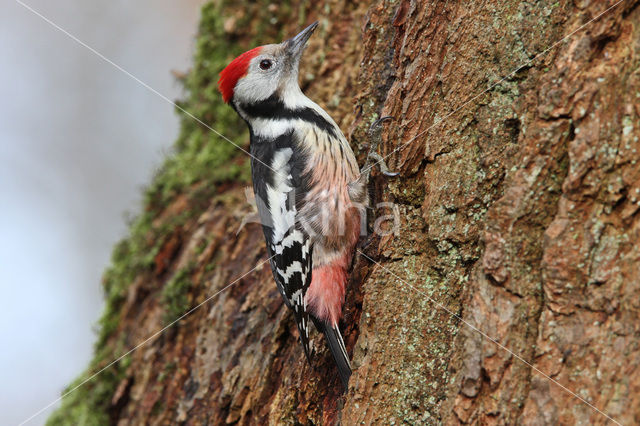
295 46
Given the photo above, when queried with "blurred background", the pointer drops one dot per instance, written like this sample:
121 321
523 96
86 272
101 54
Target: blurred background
78 140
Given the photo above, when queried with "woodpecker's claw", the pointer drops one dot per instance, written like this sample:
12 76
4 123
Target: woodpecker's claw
379 161
379 121
374 132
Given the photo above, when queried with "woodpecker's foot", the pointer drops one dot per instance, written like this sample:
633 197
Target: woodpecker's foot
378 122
378 160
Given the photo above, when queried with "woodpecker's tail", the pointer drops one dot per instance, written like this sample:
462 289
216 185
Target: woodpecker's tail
338 350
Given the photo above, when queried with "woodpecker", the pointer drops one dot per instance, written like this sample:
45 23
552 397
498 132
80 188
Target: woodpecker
309 190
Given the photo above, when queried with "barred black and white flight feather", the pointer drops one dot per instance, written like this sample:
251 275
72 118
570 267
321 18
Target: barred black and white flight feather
287 244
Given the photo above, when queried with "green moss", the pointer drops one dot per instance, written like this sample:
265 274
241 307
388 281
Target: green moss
203 155
89 404
129 258
169 368
175 294
157 408
202 245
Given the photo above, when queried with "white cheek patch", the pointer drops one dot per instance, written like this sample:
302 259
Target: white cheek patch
256 85
253 88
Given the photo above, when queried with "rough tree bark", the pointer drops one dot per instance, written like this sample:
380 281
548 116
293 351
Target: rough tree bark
518 201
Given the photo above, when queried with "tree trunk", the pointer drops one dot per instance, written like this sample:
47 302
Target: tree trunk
509 292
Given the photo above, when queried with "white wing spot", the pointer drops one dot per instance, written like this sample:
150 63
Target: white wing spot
283 218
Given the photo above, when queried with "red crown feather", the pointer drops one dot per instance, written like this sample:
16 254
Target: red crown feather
235 71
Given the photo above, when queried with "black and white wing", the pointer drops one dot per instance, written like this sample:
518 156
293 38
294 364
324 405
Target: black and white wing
288 245
291 267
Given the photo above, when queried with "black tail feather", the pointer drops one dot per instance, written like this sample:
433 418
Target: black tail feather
338 350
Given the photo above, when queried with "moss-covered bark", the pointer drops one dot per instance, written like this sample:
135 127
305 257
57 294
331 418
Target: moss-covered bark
518 217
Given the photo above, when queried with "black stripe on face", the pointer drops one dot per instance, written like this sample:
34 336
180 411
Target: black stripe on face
273 108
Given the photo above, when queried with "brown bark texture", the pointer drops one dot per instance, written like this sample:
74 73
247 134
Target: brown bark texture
510 292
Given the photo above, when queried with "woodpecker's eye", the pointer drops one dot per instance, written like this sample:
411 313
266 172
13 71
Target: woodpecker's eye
265 64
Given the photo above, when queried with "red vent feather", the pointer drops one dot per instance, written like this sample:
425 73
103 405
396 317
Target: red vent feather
235 71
